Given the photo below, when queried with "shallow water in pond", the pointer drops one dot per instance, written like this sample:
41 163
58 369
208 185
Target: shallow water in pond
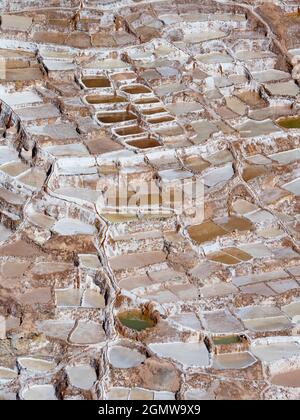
162 119
104 99
129 131
116 117
136 90
152 111
145 143
289 122
143 101
95 82
229 339
136 320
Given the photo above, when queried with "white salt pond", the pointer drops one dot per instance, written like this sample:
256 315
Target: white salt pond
121 357
239 360
188 354
71 227
39 393
36 365
275 348
81 376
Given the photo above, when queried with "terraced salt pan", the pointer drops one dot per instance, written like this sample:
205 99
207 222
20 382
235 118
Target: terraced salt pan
181 108
263 318
217 175
107 64
257 278
283 88
187 320
59 131
56 329
246 55
286 157
243 207
4 233
7 155
88 333
56 65
68 297
33 178
14 168
293 186
204 130
221 321
203 36
75 149
290 378
239 360
81 376
271 75
93 299
89 261
257 128
79 195
70 227
19 99
188 354
7 375
236 105
38 112
15 23
121 357
275 348
39 392
292 310
36 365
213 58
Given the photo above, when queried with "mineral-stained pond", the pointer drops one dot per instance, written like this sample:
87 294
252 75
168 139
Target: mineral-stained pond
289 122
228 339
136 320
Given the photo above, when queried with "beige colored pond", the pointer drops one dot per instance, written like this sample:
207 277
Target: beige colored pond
289 122
209 231
104 99
129 131
116 117
136 89
144 143
95 82
287 379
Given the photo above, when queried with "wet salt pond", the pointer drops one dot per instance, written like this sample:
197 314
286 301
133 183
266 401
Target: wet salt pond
136 320
147 100
104 99
227 339
144 143
136 89
93 82
129 131
289 122
116 117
